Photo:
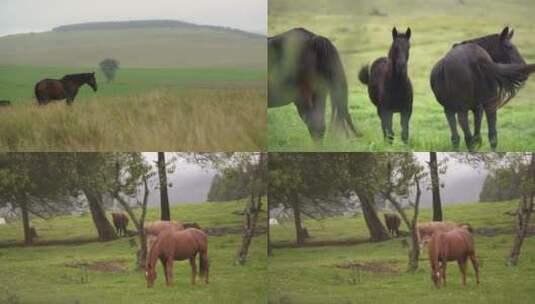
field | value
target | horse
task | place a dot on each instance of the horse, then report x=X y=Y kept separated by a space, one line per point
x=304 y=68
x=120 y=221
x=426 y=230
x=454 y=245
x=389 y=86
x=392 y=222
x=64 y=88
x=5 y=103
x=478 y=75
x=153 y=229
x=178 y=245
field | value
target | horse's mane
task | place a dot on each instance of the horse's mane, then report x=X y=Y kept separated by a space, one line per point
x=487 y=42
x=79 y=76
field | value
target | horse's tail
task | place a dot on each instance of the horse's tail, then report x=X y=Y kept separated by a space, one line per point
x=364 y=74
x=203 y=263
x=509 y=78
x=331 y=68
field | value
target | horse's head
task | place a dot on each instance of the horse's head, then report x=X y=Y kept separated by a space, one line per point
x=399 y=51
x=150 y=276
x=435 y=276
x=92 y=81
x=506 y=51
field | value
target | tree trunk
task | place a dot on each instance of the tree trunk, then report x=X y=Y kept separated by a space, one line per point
x=376 y=228
x=249 y=227
x=435 y=186
x=164 y=197
x=524 y=211
x=299 y=239
x=28 y=239
x=104 y=228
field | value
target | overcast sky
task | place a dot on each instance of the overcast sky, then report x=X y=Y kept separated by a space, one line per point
x=22 y=16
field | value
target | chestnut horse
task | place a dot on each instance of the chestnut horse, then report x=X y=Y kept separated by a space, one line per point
x=454 y=245
x=120 y=221
x=178 y=245
x=426 y=230
x=64 y=88
x=153 y=229
x=392 y=222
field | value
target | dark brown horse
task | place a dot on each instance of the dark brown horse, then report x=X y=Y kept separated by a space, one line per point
x=478 y=75
x=120 y=221
x=389 y=86
x=304 y=68
x=178 y=245
x=454 y=245
x=64 y=88
x=392 y=222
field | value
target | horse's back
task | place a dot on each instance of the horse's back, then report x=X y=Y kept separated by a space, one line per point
x=455 y=243
x=49 y=89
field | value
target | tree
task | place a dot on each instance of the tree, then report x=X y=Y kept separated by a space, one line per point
x=109 y=68
x=164 y=196
x=502 y=184
x=524 y=210
x=435 y=186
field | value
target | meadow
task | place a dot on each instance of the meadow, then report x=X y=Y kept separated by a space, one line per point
x=157 y=109
x=361 y=30
x=180 y=87
x=321 y=275
x=50 y=274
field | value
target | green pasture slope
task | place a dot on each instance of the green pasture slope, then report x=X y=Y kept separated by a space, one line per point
x=361 y=32
x=309 y=275
x=176 y=88
x=42 y=274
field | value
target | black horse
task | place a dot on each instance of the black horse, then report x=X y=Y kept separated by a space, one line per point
x=389 y=86
x=478 y=75
x=64 y=88
x=303 y=68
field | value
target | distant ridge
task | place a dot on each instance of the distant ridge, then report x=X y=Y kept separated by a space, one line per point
x=136 y=24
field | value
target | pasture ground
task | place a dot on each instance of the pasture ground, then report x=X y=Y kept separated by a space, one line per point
x=49 y=274
x=322 y=275
x=144 y=109
x=361 y=30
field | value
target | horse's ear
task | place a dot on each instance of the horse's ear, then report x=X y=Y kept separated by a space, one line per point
x=511 y=33
x=394 y=33
x=504 y=34
x=408 y=33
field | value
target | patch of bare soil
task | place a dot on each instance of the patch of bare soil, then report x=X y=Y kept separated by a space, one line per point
x=377 y=267
x=111 y=266
x=219 y=231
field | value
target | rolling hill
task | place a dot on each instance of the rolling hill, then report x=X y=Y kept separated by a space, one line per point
x=147 y=43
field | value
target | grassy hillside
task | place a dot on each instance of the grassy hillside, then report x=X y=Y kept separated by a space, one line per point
x=47 y=275
x=361 y=30
x=315 y=274
x=137 y=46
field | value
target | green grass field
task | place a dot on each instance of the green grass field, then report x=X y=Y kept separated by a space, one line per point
x=144 y=109
x=310 y=275
x=361 y=36
x=43 y=275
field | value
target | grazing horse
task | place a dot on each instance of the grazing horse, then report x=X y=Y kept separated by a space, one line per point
x=178 y=245
x=120 y=221
x=426 y=230
x=478 y=75
x=454 y=245
x=303 y=68
x=64 y=88
x=392 y=222
x=153 y=229
x=389 y=86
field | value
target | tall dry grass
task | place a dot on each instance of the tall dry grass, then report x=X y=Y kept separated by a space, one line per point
x=199 y=120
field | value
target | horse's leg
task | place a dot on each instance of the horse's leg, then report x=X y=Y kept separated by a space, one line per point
x=493 y=134
x=193 y=269
x=386 y=122
x=475 y=264
x=164 y=263
x=452 y=122
x=383 y=124
x=443 y=266
x=478 y=114
x=465 y=126
x=169 y=271
x=462 y=267
x=405 y=117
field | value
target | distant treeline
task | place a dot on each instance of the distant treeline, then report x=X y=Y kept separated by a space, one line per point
x=227 y=188
x=502 y=184
x=117 y=25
